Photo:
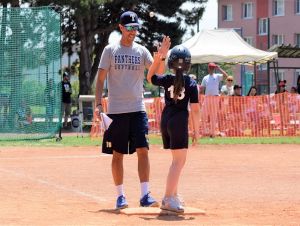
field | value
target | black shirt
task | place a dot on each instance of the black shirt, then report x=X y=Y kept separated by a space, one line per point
x=66 y=92
x=189 y=94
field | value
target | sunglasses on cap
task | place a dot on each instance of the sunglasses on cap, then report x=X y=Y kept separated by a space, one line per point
x=131 y=28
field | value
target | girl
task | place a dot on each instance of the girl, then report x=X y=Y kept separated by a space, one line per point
x=252 y=91
x=180 y=90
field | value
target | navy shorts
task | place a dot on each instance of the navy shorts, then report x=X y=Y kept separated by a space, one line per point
x=174 y=128
x=127 y=132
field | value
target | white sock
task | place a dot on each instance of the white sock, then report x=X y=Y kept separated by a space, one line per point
x=120 y=190
x=144 y=189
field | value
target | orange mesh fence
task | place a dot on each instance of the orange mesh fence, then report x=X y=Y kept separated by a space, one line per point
x=230 y=116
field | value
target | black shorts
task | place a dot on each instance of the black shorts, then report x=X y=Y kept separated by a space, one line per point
x=127 y=132
x=174 y=128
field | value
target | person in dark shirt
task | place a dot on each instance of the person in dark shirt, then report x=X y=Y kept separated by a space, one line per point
x=298 y=84
x=281 y=87
x=237 y=90
x=66 y=97
x=180 y=91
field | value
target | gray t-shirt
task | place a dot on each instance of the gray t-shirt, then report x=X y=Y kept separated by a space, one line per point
x=125 y=78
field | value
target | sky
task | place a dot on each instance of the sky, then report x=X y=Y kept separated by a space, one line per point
x=210 y=17
x=208 y=21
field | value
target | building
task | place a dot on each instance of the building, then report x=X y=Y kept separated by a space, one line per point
x=264 y=23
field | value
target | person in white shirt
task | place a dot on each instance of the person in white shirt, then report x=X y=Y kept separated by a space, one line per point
x=210 y=85
x=212 y=81
x=227 y=89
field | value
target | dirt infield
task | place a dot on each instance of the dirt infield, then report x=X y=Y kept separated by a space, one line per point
x=234 y=184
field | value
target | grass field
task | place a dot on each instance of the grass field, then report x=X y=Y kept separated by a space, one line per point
x=154 y=139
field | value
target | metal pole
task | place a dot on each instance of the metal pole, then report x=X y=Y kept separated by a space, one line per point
x=254 y=77
x=268 y=64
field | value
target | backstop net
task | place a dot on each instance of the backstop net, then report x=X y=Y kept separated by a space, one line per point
x=30 y=62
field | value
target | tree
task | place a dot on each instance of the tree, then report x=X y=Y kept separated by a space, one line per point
x=90 y=22
x=27 y=36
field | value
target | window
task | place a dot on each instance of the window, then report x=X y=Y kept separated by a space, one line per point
x=297 y=74
x=263 y=26
x=262 y=67
x=273 y=82
x=278 y=7
x=247 y=10
x=297 y=41
x=281 y=75
x=227 y=12
x=297 y=6
x=278 y=39
x=249 y=40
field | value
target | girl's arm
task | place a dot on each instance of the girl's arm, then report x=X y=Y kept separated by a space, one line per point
x=154 y=68
x=158 y=65
x=195 y=111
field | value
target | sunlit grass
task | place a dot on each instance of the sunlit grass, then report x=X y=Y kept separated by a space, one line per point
x=154 y=139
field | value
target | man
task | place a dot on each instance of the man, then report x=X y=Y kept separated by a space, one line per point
x=66 y=98
x=237 y=90
x=211 y=83
x=236 y=106
x=123 y=64
x=281 y=88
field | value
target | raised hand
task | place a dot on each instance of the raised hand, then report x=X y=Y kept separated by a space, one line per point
x=164 y=46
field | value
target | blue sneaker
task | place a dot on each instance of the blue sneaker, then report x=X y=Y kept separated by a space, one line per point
x=148 y=201
x=121 y=202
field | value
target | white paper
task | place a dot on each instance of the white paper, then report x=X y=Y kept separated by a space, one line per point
x=106 y=121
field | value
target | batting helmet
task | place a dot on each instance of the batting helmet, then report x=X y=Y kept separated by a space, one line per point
x=180 y=58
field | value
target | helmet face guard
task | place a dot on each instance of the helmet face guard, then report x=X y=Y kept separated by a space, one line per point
x=180 y=58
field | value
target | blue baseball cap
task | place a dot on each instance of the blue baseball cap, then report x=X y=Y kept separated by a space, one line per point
x=129 y=18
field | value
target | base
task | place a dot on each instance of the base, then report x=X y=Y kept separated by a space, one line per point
x=158 y=211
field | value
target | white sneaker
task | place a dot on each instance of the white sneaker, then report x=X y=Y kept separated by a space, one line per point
x=172 y=204
x=180 y=199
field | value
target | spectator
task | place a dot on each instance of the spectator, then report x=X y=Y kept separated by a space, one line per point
x=210 y=86
x=293 y=89
x=252 y=91
x=237 y=90
x=66 y=98
x=281 y=87
x=23 y=115
x=227 y=89
x=293 y=102
x=298 y=84
x=235 y=117
x=212 y=81
x=251 y=111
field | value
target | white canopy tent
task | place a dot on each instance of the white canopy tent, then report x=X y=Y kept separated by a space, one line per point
x=226 y=46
